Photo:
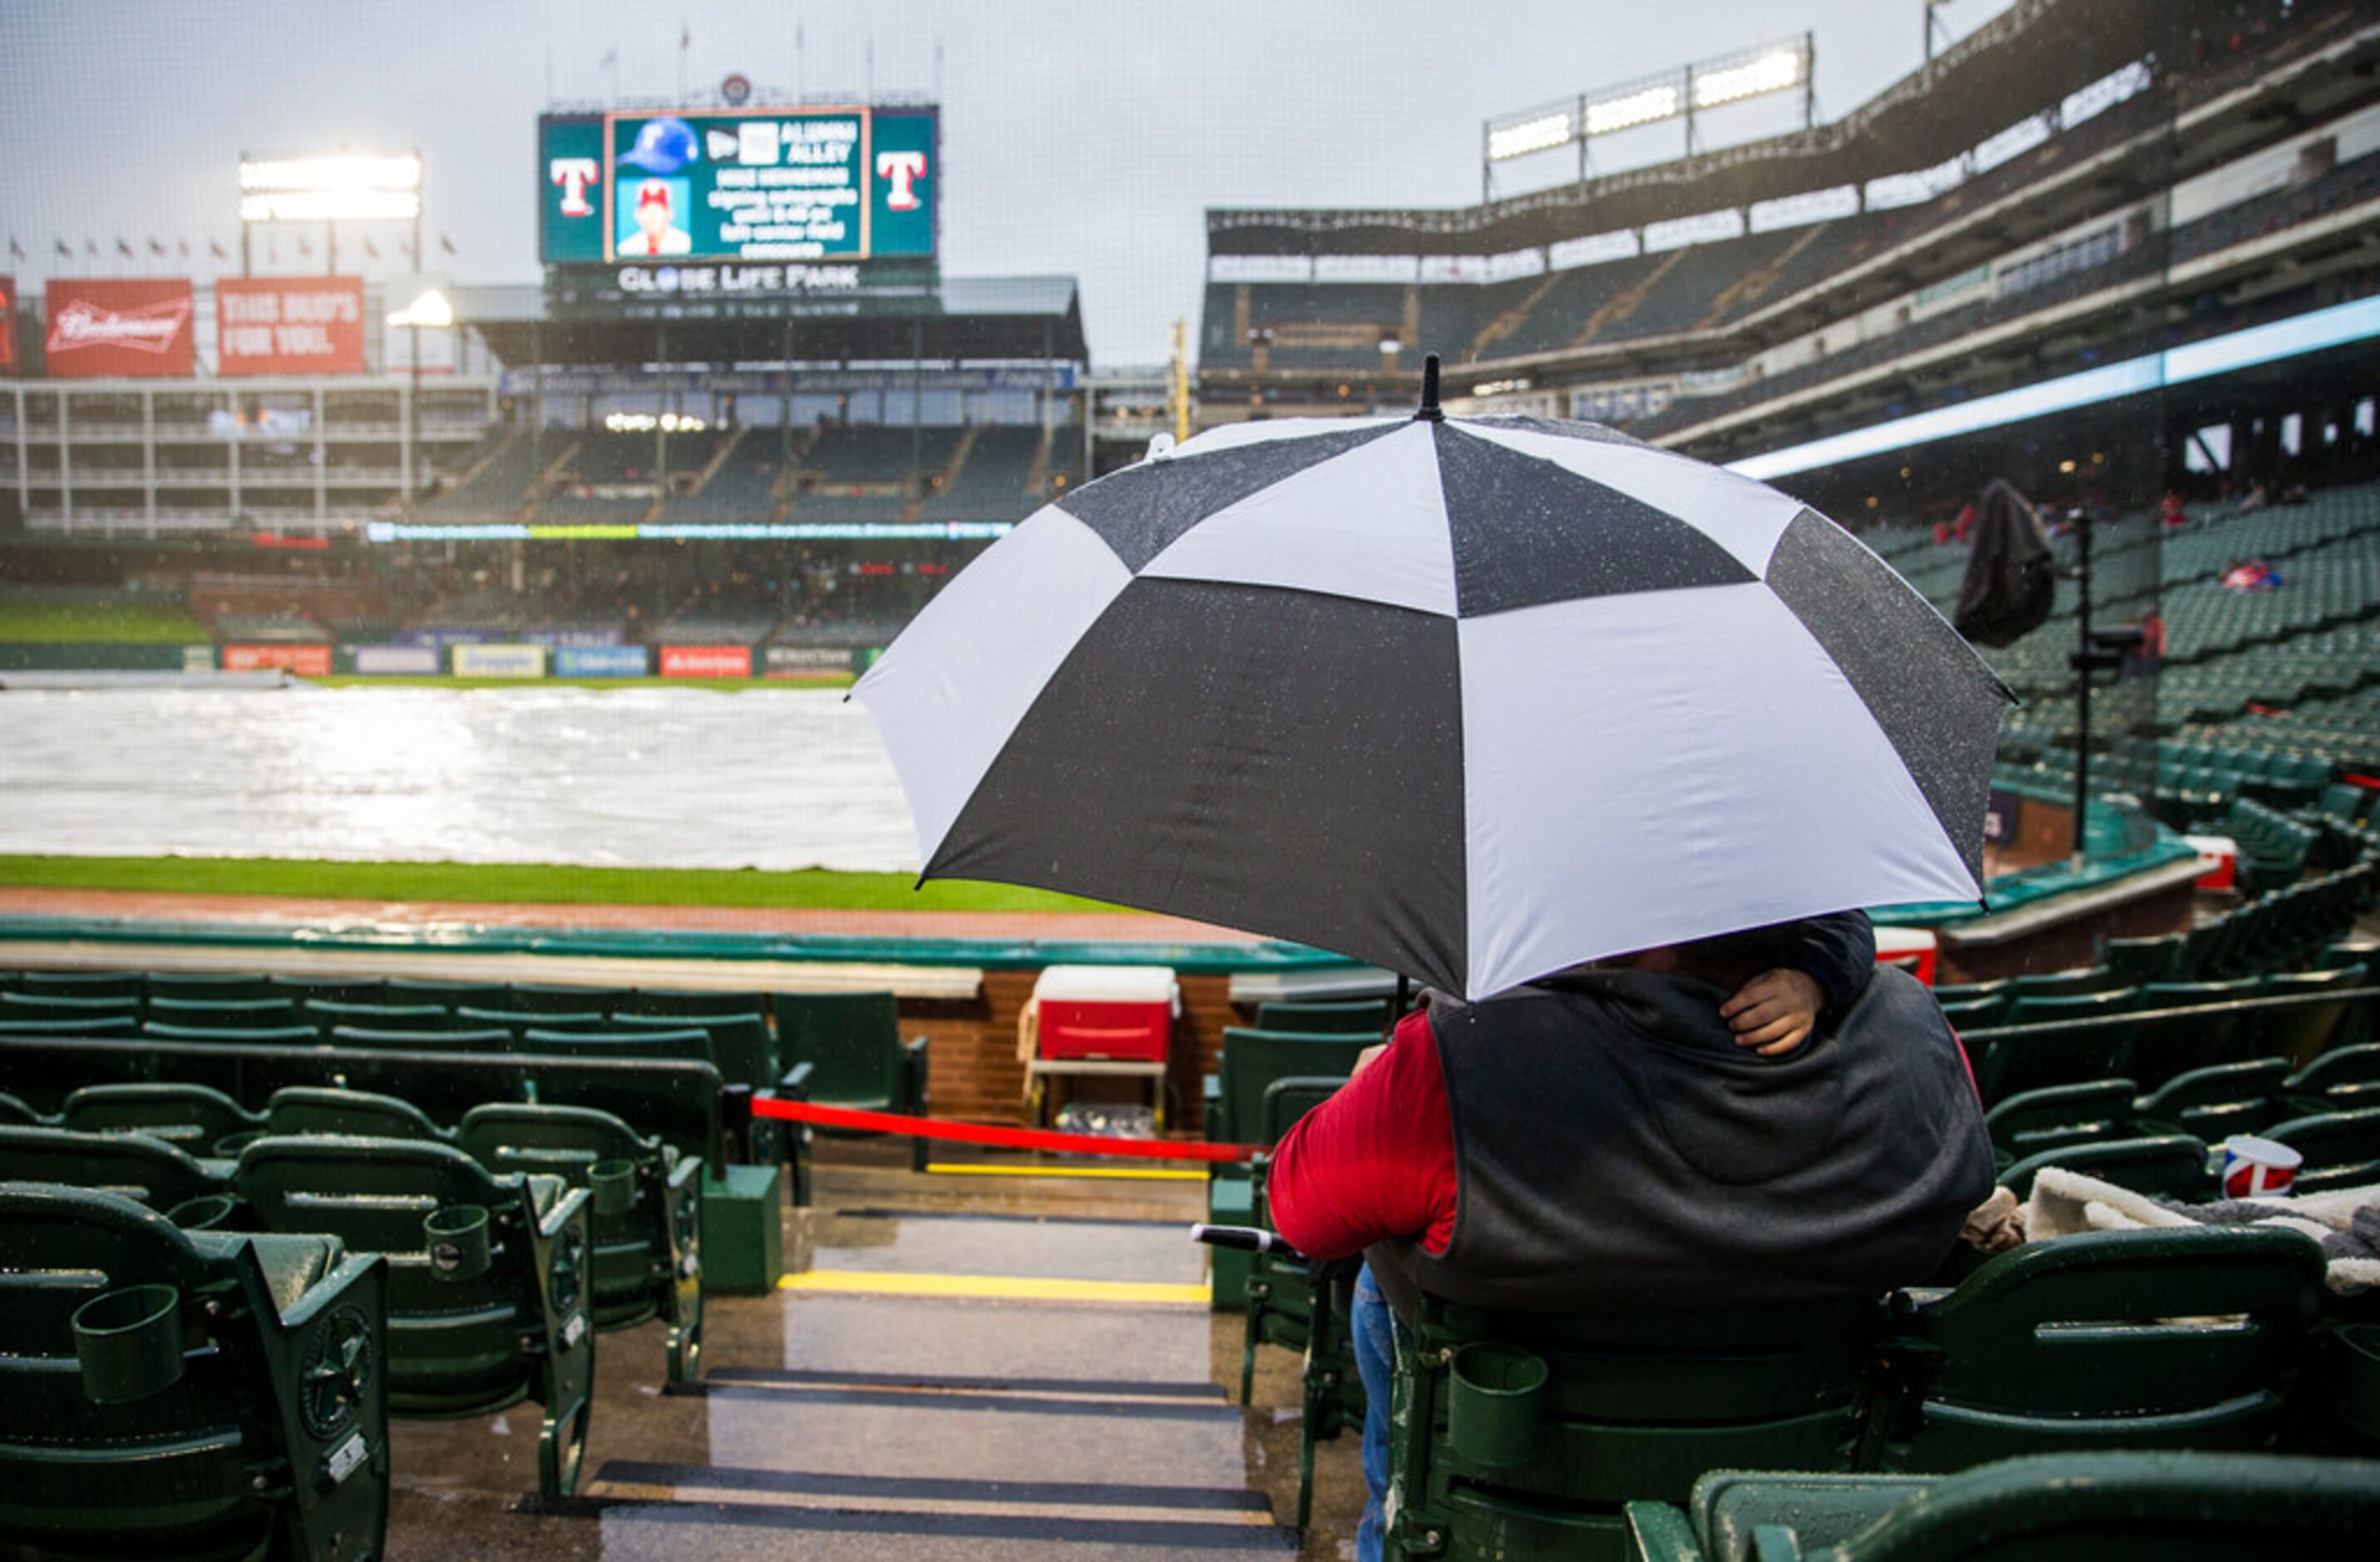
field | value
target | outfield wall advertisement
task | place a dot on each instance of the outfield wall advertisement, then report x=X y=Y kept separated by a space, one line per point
x=706 y=661
x=289 y=325
x=306 y=661
x=414 y=661
x=738 y=184
x=599 y=662
x=499 y=661
x=100 y=328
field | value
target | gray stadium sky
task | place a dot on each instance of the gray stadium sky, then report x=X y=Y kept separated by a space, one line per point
x=1085 y=137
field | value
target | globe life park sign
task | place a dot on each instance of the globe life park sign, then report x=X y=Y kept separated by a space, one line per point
x=697 y=281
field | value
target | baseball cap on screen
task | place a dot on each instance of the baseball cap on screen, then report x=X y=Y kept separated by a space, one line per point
x=663 y=146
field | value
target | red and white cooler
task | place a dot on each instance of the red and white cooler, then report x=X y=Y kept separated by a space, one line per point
x=1115 y=1014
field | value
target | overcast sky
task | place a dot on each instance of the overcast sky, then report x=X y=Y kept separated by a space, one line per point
x=1083 y=137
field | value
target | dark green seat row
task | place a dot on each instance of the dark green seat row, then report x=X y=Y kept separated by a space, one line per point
x=1526 y=1436
x=2210 y=1103
x=2178 y=1507
x=173 y=1393
x=2100 y=1036
x=850 y=1043
x=647 y=1211
x=494 y=1308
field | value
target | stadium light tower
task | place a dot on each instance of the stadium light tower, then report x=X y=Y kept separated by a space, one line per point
x=429 y=311
x=347 y=187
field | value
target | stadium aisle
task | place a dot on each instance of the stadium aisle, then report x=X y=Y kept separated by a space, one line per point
x=958 y=1366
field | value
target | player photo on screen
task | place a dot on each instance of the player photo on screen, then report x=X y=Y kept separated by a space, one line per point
x=650 y=216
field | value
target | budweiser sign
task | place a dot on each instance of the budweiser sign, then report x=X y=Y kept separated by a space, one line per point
x=84 y=324
x=128 y=326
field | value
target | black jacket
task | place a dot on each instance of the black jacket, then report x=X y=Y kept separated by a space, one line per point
x=1615 y=1152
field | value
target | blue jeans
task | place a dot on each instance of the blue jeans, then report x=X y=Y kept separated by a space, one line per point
x=1376 y=1354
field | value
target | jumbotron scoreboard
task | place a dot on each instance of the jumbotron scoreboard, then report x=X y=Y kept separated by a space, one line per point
x=736 y=184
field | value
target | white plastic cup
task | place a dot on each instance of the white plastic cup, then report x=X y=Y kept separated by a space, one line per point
x=2258 y=1168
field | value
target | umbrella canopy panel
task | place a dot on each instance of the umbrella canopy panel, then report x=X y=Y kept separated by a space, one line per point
x=1473 y=699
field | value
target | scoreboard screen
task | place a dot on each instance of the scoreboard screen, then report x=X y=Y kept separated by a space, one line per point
x=792 y=184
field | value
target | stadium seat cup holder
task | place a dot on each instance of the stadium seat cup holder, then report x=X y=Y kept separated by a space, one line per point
x=228 y=1147
x=208 y=1211
x=1495 y=1399
x=130 y=1343
x=611 y=1187
x=457 y=1242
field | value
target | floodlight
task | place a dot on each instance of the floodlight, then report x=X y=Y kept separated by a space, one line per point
x=1770 y=73
x=1530 y=135
x=348 y=188
x=1636 y=108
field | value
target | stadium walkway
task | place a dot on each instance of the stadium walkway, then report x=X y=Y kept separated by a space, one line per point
x=960 y=1366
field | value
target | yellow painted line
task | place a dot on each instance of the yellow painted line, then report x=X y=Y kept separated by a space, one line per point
x=1121 y=1174
x=1002 y=1288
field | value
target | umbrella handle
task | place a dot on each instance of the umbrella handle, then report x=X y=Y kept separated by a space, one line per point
x=1247 y=1239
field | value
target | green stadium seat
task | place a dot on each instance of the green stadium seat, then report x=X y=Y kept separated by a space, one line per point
x=2301 y=1034
x=532 y=998
x=645 y=1212
x=497 y=1310
x=2058 y=1116
x=2087 y=1343
x=148 y=1171
x=688 y=1043
x=190 y=1118
x=2339 y=1081
x=745 y=1055
x=518 y=1020
x=355 y=1114
x=451 y=995
x=852 y=1043
x=206 y=987
x=252 y=1013
x=2175 y=1507
x=68 y=1006
x=2062 y=983
x=492 y=1039
x=235 y=1035
x=2136 y=960
x=2212 y=1103
x=1279 y=1301
x=330 y=1012
x=2172 y=1165
x=2163 y=1044
x=1354 y=1016
x=330 y=989
x=670 y=1001
x=1523 y=1436
x=2341 y=1149
x=2007 y=1062
x=77 y=983
x=150 y=1378
x=119 y=1026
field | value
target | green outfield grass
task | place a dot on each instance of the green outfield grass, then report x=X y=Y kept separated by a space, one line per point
x=45 y=623
x=312 y=879
x=444 y=680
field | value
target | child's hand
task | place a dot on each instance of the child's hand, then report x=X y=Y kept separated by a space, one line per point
x=1773 y=1012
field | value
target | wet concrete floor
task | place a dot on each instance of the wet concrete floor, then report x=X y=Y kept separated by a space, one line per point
x=953 y=1395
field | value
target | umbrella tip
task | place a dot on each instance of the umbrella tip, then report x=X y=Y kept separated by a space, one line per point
x=1429 y=413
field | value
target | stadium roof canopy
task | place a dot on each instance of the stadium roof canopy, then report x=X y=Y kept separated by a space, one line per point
x=975 y=317
x=2030 y=56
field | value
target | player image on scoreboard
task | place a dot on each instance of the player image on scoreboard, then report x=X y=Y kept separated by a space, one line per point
x=651 y=214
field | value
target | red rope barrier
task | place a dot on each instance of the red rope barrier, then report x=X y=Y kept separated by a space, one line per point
x=1006 y=1139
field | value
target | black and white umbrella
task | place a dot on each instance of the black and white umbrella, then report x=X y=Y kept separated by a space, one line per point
x=1472 y=699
